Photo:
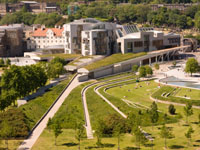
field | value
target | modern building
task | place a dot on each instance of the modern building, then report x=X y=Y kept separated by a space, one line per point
x=11 y=40
x=130 y=38
x=92 y=37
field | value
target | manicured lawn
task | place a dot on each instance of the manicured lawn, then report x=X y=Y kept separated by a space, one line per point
x=115 y=58
x=65 y=56
x=12 y=144
x=192 y=93
x=35 y=108
x=73 y=63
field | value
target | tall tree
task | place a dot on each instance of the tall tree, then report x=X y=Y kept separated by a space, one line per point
x=188 y=111
x=191 y=66
x=118 y=132
x=188 y=135
x=135 y=68
x=99 y=132
x=142 y=71
x=149 y=70
x=79 y=134
x=57 y=131
x=166 y=134
x=154 y=116
x=139 y=135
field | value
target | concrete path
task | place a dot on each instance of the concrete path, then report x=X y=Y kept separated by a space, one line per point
x=28 y=143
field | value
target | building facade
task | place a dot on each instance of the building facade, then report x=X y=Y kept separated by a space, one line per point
x=93 y=37
x=134 y=39
x=11 y=40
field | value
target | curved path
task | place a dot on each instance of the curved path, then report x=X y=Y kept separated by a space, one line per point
x=88 y=126
x=30 y=141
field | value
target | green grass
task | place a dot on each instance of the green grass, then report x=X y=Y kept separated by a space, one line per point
x=61 y=55
x=71 y=111
x=193 y=94
x=172 y=98
x=115 y=58
x=73 y=63
x=35 y=108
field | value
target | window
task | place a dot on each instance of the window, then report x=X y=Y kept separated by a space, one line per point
x=130 y=46
x=138 y=44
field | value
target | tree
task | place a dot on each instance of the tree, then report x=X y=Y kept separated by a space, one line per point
x=142 y=71
x=139 y=135
x=79 y=134
x=174 y=63
x=188 y=111
x=49 y=124
x=99 y=132
x=149 y=70
x=188 y=134
x=6 y=132
x=54 y=69
x=135 y=68
x=117 y=132
x=8 y=62
x=172 y=109
x=166 y=134
x=191 y=66
x=156 y=66
x=1 y=62
x=57 y=130
x=154 y=116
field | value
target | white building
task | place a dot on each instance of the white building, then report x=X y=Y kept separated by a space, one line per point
x=46 y=37
x=134 y=39
x=92 y=37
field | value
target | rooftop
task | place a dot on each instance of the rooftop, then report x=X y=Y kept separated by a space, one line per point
x=42 y=32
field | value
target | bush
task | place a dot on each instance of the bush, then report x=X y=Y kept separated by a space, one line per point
x=172 y=109
x=157 y=66
x=135 y=68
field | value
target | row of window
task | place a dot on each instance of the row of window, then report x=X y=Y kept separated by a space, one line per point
x=145 y=43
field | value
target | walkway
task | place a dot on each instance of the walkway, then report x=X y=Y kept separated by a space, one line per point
x=28 y=143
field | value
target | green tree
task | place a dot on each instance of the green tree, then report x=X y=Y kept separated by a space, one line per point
x=79 y=134
x=118 y=130
x=8 y=62
x=172 y=109
x=188 y=111
x=166 y=134
x=57 y=130
x=142 y=71
x=6 y=132
x=54 y=70
x=99 y=132
x=153 y=112
x=188 y=135
x=135 y=68
x=156 y=66
x=2 y=62
x=191 y=66
x=49 y=124
x=139 y=135
x=149 y=70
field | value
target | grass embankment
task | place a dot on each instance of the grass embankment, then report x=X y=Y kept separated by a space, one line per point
x=172 y=92
x=36 y=108
x=115 y=58
x=71 y=112
x=61 y=55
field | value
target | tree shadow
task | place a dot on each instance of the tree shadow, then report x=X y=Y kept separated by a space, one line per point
x=195 y=122
x=102 y=146
x=195 y=145
x=70 y=144
x=132 y=148
x=186 y=125
x=197 y=141
x=176 y=147
x=149 y=145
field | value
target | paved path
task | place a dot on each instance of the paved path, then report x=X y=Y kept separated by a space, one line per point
x=28 y=143
x=168 y=102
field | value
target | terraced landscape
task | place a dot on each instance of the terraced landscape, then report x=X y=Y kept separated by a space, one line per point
x=121 y=97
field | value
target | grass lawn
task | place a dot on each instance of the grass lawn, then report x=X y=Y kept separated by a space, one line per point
x=12 y=144
x=73 y=63
x=61 y=55
x=115 y=58
x=192 y=93
x=35 y=108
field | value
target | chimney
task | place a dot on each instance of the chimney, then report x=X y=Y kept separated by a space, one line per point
x=43 y=27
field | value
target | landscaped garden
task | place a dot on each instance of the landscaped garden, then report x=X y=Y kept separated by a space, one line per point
x=115 y=58
x=133 y=99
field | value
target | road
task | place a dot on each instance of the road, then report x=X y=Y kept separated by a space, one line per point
x=28 y=143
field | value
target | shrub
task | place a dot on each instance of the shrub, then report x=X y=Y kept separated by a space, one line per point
x=172 y=109
x=157 y=66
